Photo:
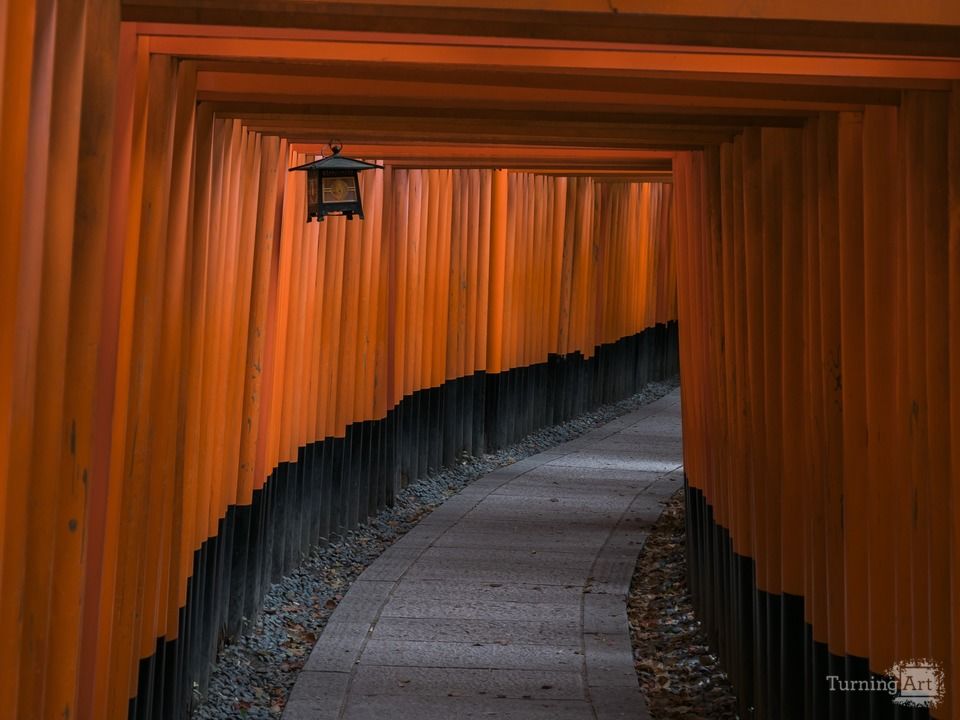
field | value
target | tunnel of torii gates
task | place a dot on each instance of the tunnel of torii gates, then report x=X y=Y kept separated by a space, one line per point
x=196 y=385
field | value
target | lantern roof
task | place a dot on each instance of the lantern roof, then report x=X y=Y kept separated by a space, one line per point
x=338 y=162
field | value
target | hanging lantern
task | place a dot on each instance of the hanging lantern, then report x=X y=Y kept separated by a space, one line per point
x=332 y=185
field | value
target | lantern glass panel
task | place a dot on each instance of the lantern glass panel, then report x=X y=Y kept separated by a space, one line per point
x=339 y=189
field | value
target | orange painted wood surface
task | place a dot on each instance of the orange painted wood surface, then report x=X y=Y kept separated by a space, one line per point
x=237 y=334
x=171 y=331
x=826 y=454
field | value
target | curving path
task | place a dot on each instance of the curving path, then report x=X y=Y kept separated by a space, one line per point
x=509 y=600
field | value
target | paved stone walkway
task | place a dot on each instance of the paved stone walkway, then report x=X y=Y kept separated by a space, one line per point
x=509 y=600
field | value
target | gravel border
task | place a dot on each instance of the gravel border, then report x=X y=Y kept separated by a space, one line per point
x=255 y=673
x=678 y=672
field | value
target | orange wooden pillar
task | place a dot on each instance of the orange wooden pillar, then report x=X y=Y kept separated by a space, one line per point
x=854 y=527
x=936 y=368
x=953 y=319
x=498 y=249
x=816 y=598
x=881 y=247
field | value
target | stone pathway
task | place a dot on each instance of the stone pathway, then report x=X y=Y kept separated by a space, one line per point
x=509 y=600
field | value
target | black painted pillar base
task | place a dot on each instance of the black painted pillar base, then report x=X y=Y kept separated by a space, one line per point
x=764 y=642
